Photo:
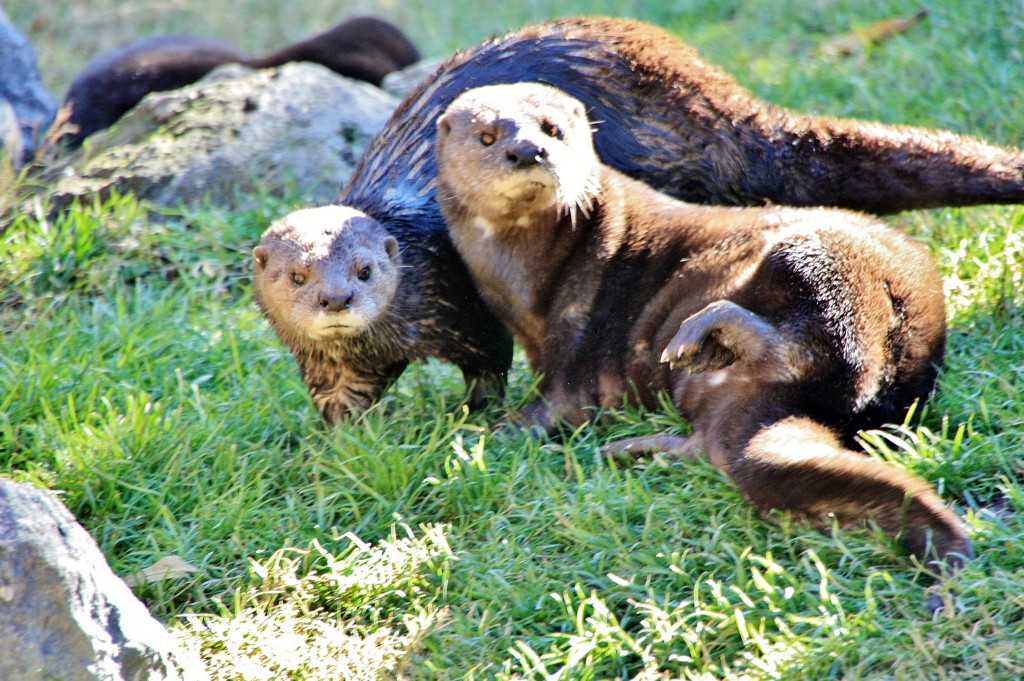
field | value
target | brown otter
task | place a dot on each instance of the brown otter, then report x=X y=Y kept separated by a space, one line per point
x=117 y=79
x=778 y=332
x=327 y=280
x=670 y=119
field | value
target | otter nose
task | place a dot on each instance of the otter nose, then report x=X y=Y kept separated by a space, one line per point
x=525 y=153
x=336 y=302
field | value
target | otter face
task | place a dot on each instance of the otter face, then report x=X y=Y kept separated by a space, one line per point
x=325 y=272
x=508 y=150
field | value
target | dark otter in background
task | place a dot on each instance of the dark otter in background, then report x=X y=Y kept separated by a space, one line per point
x=682 y=126
x=778 y=332
x=665 y=117
x=116 y=80
x=350 y=304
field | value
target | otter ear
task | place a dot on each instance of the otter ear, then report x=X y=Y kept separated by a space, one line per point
x=444 y=126
x=391 y=246
x=260 y=255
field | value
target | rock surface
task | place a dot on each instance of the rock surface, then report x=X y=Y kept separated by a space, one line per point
x=63 y=613
x=23 y=91
x=400 y=83
x=227 y=136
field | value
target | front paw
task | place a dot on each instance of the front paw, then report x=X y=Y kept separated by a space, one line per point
x=717 y=336
x=646 y=445
x=484 y=390
x=536 y=419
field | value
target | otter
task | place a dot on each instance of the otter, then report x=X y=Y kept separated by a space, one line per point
x=365 y=48
x=327 y=280
x=777 y=332
x=675 y=122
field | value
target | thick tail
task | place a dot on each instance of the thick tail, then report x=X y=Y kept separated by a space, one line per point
x=883 y=169
x=800 y=466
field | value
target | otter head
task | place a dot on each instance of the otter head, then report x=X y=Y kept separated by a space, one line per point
x=508 y=151
x=325 y=272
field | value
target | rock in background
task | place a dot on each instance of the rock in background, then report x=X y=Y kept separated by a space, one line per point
x=26 y=108
x=401 y=83
x=227 y=136
x=63 y=613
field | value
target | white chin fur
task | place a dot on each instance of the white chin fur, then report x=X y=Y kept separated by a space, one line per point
x=332 y=327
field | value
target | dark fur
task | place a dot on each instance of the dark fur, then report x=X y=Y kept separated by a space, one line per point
x=346 y=372
x=668 y=118
x=682 y=126
x=116 y=80
x=787 y=330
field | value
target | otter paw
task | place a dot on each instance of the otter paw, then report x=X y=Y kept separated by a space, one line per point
x=636 y=447
x=720 y=334
x=535 y=419
x=483 y=389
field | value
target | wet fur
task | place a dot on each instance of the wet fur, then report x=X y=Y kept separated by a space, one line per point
x=353 y=337
x=778 y=332
x=665 y=116
x=117 y=79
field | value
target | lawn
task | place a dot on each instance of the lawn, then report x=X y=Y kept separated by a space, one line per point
x=138 y=380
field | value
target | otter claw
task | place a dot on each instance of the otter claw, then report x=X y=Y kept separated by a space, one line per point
x=720 y=334
x=697 y=354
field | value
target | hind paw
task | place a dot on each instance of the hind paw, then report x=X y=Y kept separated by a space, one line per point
x=720 y=334
x=645 y=445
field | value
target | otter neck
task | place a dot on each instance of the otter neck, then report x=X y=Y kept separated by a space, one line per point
x=514 y=258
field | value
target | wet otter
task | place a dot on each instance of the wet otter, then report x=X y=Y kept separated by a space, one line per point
x=778 y=332
x=668 y=118
x=327 y=280
x=687 y=129
x=117 y=79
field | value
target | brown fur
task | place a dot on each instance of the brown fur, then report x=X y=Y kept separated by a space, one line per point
x=778 y=332
x=665 y=117
x=329 y=282
x=681 y=125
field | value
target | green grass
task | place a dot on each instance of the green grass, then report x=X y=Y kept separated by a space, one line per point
x=137 y=379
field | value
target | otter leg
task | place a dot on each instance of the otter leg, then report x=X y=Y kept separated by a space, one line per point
x=800 y=466
x=676 y=446
x=339 y=391
x=483 y=388
x=720 y=334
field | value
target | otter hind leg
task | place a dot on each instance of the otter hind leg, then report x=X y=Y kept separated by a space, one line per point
x=660 y=443
x=718 y=335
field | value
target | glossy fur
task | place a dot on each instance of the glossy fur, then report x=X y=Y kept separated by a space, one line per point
x=666 y=117
x=778 y=332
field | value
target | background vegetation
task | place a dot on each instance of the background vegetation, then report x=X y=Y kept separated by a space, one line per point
x=137 y=379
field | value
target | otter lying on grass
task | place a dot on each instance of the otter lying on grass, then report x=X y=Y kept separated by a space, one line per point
x=778 y=332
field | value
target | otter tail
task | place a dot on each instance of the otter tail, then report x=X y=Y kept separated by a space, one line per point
x=800 y=466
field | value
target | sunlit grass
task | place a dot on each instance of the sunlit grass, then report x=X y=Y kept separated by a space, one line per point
x=138 y=380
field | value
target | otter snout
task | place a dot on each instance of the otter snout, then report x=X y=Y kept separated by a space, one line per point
x=524 y=153
x=336 y=302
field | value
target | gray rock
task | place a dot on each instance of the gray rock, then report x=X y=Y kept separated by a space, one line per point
x=22 y=88
x=227 y=136
x=63 y=613
x=400 y=83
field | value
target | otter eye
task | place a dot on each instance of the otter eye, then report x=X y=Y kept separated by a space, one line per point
x=551 y=130
x=486 y=139
x=298 y=278
x=364 y=273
